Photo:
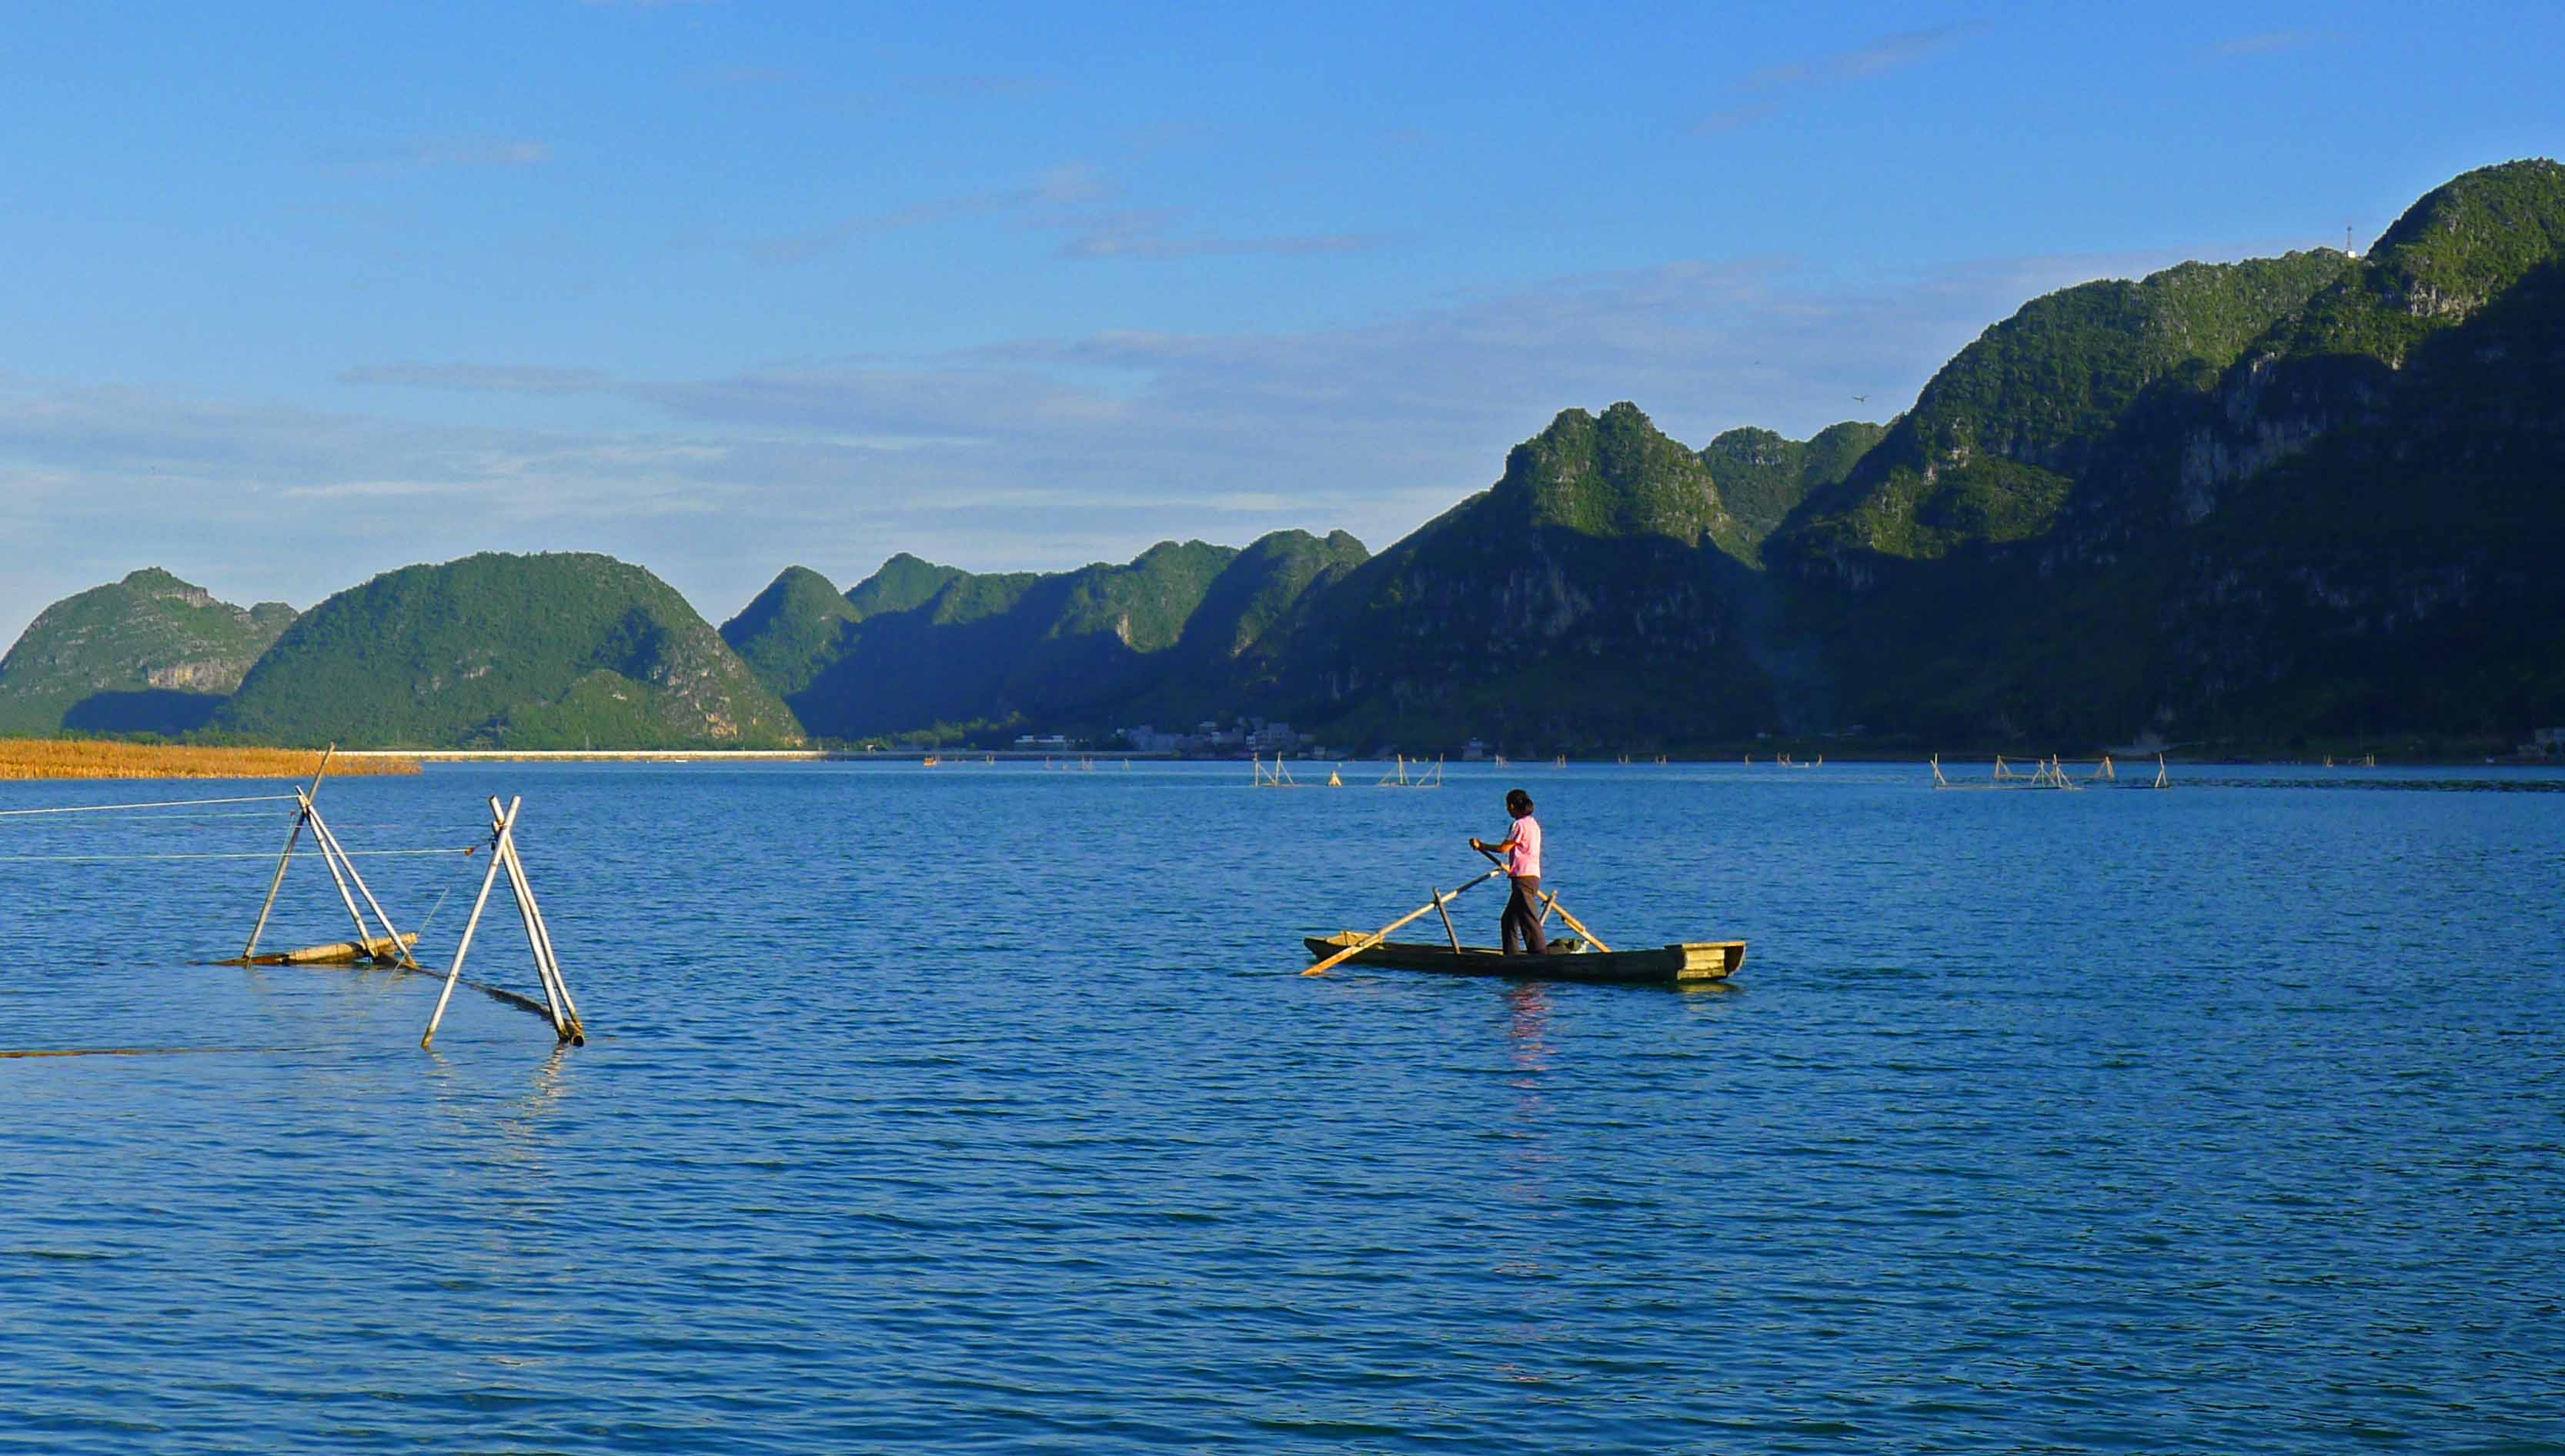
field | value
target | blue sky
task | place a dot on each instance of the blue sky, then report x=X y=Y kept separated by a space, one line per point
x=298 y=294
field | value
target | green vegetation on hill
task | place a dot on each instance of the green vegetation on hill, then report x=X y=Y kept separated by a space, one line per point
x=2465 y=242
x=1993 y=448
x=933 y=645
x=1762 y=477
x=1587 y=599
x=2343 y=524
x=904 y=584
x=792 y=630
x=559 y=650
x=150 y=653
x=1615 y=476
x=2311 y=495
x=1178 y=630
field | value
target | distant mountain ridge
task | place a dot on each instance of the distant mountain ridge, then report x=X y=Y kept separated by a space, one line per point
x=2311 y=495
x=148 y=653
x=2315 y=495
x=557 y=650
x=917 y=645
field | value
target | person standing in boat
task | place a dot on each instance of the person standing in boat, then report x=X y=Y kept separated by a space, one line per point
x=1521 y=848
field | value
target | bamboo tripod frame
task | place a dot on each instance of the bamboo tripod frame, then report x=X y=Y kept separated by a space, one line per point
x=538 y=936
x=342 y=874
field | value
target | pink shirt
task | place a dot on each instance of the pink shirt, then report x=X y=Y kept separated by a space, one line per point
x=1523 y=861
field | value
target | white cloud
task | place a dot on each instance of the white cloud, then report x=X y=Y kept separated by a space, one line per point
x=1080 y=204
x=1026 y=453
x=1768 y=91
x=2267 y=43
x=452 y=151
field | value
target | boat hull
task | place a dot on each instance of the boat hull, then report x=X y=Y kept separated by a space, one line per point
x=1690 y=964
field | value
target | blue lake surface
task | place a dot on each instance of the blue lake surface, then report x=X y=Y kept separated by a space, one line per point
x=981 y=1107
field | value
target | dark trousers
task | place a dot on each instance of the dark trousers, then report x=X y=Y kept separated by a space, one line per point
x=1521 y=925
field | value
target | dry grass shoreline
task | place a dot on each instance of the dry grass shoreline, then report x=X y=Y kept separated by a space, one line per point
x=54 y=758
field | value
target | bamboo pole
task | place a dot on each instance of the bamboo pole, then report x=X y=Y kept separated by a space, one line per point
x=322 y=831
x=539 y=935
x=552 y=955
x=525 y=913
x=522 y=894
x=1453 y=934
x=331 y=862
x=546 y=959
x=1366 y=943
x=302 y=800
x=282 y=861
x=1575 y=924
x=463 y=947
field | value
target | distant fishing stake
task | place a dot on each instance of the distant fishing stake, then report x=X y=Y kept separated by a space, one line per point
x=538 y=936
x=388 y=948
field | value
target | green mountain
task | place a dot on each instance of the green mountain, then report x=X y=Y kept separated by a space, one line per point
x=1999 y=437
x=2309 y=496
x=792 y=630
x=1229 y=656
x=150 y=653
x=2312 y=495
x=916 y=645
x=904 y=584
x=558 y=651
x=1762 y=477
x=1598 y=594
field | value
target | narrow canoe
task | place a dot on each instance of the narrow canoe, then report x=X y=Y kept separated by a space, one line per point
x=1672 y=965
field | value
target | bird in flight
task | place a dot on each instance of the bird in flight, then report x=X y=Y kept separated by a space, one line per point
x=1861 y=400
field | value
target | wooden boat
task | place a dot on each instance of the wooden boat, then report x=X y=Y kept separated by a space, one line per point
x=1689 y=964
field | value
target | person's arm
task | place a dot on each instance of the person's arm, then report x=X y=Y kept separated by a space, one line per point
x=1505 y=848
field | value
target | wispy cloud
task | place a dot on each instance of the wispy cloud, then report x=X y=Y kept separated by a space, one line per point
x=1026 y=452
x=482 y=151
x=749 y=76
x=1734 y=118
x=1766 y=92
x=1080 y=204
x=517 y=379
x=2267 y=43
x=980 y=88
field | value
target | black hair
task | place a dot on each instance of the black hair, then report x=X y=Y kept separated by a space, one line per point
x=1517 y=801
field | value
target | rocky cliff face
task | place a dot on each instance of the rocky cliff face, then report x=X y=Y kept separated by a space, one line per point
x=2264 y=515
x=148 y=653
x=1587 y=598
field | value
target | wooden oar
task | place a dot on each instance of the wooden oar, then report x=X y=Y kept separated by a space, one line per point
x=1366 y=943
x=1550 y=903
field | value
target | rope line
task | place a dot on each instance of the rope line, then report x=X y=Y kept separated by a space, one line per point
x=161 y=803
x=243 y=854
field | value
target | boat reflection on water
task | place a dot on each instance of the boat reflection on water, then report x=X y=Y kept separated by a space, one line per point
x=1527 y=1030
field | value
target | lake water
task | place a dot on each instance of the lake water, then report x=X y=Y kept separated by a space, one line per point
x=980 y=1108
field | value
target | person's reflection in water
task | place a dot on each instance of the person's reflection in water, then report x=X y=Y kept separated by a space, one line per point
x=1527 y=1157
x=1527 y=1030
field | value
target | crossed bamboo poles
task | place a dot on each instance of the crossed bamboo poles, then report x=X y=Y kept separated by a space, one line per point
x=343 y=872
x=1442 y=902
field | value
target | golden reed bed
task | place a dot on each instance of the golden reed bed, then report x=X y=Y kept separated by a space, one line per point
x=48 y=758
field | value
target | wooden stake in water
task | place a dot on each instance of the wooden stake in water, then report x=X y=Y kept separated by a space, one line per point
x=304 y=797
x=538 y=936
x=463 y=947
